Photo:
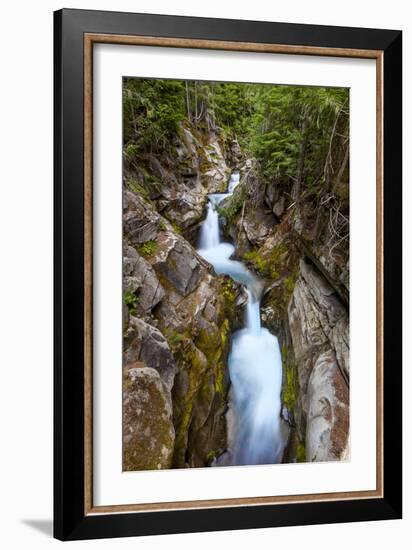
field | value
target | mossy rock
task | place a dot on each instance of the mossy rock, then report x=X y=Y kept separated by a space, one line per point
x=148 y=432
x=290 y=385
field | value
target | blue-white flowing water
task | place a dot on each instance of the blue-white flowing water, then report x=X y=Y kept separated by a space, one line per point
x=255 y=363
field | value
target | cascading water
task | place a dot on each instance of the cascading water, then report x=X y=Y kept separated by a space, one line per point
x=233 y=182
x=255 y=363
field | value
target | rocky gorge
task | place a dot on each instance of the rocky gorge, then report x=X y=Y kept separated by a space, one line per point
x=180 y=314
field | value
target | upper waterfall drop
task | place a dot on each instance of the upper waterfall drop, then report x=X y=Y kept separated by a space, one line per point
x=209 y=235
x=255 y=363
x=233 y=182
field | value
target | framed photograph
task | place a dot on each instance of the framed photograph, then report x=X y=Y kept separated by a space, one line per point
x=227 y=274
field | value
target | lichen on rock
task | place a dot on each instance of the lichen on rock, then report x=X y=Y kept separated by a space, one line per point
x=180 y=313
x=148 y=432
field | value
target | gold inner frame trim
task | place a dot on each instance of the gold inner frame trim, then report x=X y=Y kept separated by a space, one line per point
x=89 y=40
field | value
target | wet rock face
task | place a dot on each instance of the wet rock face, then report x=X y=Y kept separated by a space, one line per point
x=317 y=318
x=319 y=327
x=176 y=340
x=148 y=431
x=328 y=411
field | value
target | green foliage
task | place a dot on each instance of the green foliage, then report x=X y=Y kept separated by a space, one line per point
x=233 y=108
x=131 y=150
x=293 y=124
x=131 y=300
x=298 y=134
x=293 y=120
x=233 y=205
x=152 y=111
x=148 y=248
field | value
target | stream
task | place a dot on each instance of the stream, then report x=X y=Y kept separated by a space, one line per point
x=255 y=363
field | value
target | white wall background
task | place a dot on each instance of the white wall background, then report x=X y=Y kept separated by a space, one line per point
x=26 y=144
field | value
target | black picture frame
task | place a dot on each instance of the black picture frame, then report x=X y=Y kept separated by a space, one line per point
x=70 y=520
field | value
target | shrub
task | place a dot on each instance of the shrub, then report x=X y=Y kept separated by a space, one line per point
x=148 y=248
x=131 y=299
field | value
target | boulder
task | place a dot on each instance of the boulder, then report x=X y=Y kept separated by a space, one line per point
x=148 y=432
x=177 y=262
x=328 y=411
x=140 y=278
x=186 y=210
x=319 y=329
x=257 y=224
x=314 y=311
x=145 y=343
x=140 y=223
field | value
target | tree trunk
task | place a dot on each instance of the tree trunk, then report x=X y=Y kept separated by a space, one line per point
x=301 y=162
x=188 y=101
x=196 y=106
x=341 y=169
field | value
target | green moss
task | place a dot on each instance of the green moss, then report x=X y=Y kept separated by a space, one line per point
x=228 y=294
x=137 y=188
x=258 y=262
x=193 y=362
x=200 y=353
x=181 y=433
x=141 y=451
x=300 y=452
x=131 y=299
x=290 y=388
x=233 y=205
x=268 y=263
x=210 y=457
x=224 y=332
x=176 y=228
x=289 y=283
x=174 y=338
x=148 y=248
x=208 y=340
x=219 y=382
x=162 y=225
x=276 y=261
x=221 y=365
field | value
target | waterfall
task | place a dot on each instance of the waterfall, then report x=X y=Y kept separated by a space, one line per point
x=209 y=235
x=255 y=363
x=233 y=182
x=252 y=314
